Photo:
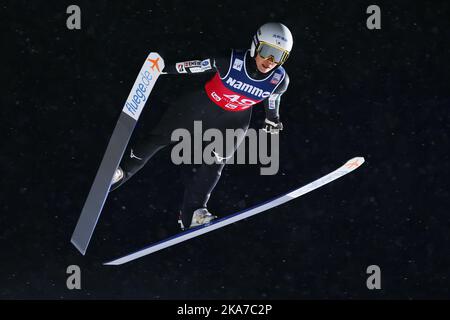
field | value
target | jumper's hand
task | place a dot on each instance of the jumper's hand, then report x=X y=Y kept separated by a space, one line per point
x=272 y=127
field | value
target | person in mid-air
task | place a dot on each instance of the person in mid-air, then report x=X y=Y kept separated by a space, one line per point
x=241 y=79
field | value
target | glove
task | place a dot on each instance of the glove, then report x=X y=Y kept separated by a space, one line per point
x=272 y=127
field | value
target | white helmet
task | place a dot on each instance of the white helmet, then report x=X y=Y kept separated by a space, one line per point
x=273 y=41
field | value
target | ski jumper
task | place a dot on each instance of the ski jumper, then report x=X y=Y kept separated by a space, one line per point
x=225 y=102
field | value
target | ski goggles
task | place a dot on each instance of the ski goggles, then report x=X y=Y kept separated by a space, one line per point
x=273 y=53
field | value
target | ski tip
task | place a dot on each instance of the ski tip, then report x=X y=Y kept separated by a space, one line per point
x=359 y=159
x=354 y=163
x=112 y=263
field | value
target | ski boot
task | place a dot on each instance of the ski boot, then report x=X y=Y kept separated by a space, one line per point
x=200 y=217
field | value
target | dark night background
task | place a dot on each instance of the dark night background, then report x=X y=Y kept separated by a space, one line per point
x=380 y=94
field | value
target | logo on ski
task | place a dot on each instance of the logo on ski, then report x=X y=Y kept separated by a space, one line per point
x=98 y=193
x=212 y=143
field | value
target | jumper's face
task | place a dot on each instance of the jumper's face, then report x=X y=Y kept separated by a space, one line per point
x=264 y=65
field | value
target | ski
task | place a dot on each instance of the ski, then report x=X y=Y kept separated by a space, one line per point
x=348 y=167
x=129 y=116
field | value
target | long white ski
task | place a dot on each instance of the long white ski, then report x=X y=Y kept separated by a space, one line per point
x=129 y=116
x=348 y=167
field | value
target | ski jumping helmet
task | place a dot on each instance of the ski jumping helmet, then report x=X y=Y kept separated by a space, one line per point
x=273 y=41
